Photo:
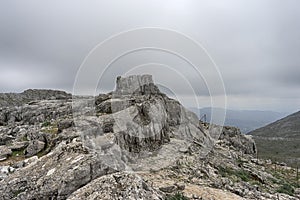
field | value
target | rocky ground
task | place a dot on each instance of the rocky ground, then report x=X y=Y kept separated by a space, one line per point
x=133 y=143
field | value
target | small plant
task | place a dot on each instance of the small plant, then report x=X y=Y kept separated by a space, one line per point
x=241 y=174
x=244 y=175
x=224 y=171
x=177 y=196
x=17 y=153
x=46 y=123
x=287 y=189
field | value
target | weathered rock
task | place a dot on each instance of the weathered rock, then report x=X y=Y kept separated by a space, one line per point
x=34 y=148
x=180 y=186
x=56 y=175
x=242 y=142
x=4 y=152
x=18 y=99
x=5 y=171
x=64 y=124
x=141 y=118
x=17 y=146
x=168 y=189
x=26 y=162
x=117 y=186
x=136 y=85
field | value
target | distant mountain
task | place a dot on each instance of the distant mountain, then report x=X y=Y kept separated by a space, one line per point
x=246 y=120
x=280 y=140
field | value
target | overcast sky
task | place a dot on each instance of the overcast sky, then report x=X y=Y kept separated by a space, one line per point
x=255 y=44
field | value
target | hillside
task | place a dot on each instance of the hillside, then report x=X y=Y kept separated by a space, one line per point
x=280 y=140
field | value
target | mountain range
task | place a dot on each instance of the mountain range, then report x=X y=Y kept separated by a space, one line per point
x=245 y=120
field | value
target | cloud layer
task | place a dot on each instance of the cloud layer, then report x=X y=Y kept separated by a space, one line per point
x=255 y=44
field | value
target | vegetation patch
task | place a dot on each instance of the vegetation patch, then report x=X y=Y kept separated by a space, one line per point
x=240 y=173
x=50 y=128
x=16 y=153
x=287 y=189
x=46 y=124
x=177 y=196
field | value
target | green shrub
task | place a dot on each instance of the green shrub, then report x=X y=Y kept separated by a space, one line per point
x=287 y=189
x=177 y=196
x=46 y=123
x=17 y=153
x=244 y=175
x=241 y=174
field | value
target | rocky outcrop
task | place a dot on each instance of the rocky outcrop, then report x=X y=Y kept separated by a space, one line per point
x=56 y=175
x=136 y=85
x=241 y=142
x=138 y=119
x=18 y=99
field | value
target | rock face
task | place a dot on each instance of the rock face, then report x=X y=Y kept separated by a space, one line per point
x=137 y=118
x=136 y=85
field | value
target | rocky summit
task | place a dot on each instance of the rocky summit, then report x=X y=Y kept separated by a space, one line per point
x=132 y=143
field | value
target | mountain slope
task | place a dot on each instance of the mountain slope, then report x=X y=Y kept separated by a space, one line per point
x=280 y=140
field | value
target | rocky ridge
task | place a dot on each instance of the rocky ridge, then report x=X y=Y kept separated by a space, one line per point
x=137 y=144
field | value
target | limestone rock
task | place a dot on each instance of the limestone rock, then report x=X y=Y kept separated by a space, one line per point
x=168 y=189
x=34 y=147
x=136 y=84
x=4 y=152
x=55 y=175
x=64 y=124
x=234 y=137
x=18 y=99
x=117 y=186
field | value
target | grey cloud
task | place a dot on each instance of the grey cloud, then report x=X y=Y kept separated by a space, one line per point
x=255 y=44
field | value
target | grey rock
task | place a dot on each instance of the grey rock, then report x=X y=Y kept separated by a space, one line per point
x=64 y=124
x=56 y=175
x=180 y=186
x=18 y=99
x=168 y=189
x=241 y=142
x=5 y=171
x=4 y=152
x=117 y=186
x=34 y=148
x=136 y=84
x=17 y=146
